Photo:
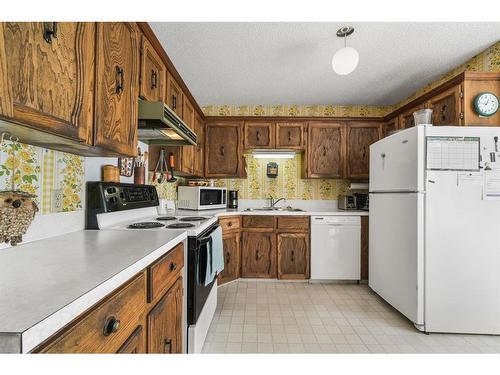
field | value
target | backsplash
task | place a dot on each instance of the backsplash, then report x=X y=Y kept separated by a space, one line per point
x=39 y=171
x=287 y=185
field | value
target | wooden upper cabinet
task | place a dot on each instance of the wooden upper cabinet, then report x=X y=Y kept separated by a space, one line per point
x=406 y=119
x=360 y=135
x=47 y=76
x=259 y=135
x=165 y=323
x=258 y=254
x=117 y=87
x=391 y=125
x=153 y=73
x=232 y=256
x=174 y=95
x=223 y=150
x=199 y=129
x=447 y=107
x=293 y=255
x=187 y=154
x=289 y=135
x=325 y=150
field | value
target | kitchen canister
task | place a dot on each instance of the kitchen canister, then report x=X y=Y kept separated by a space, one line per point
x=110 y=173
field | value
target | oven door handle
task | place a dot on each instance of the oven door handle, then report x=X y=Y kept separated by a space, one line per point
x=208 y=237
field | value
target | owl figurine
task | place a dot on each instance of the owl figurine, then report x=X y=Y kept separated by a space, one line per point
x=17 y=211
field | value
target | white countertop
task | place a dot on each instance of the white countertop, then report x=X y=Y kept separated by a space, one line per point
x=238 y=211
x=45 y=284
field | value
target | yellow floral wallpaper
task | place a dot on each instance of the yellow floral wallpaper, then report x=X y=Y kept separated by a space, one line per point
x=39 y=171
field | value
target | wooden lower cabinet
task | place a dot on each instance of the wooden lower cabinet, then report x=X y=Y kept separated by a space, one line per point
x=165 y=322
x=293 y=255
x=135 y=344
x=258 y=254
x=232 y=257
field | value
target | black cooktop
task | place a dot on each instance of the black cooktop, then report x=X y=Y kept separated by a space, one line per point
x=145 y=225
x=166 y=218
x=180 y=225
x=193 y=218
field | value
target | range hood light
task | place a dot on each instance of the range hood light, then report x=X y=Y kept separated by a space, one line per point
x=273 y=154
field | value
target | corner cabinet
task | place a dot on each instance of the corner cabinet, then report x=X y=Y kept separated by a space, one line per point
x=224 y=150
x=324 y=155
x=360 y=135
x=47 y=79
x=117 y=87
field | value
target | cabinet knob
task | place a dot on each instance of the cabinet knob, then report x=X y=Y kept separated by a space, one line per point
x=230 y=224
x=111 y=326
x=173 y=266
x=49 y=31
x=167 y=345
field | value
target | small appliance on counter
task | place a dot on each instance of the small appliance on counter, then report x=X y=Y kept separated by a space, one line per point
x=355 y=199
x=201 y=197
x=347 y=202
x=233 y=199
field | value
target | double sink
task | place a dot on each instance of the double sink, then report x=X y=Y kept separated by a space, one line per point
x=281 y=209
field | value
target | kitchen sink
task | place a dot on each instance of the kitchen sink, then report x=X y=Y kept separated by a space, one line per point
x=270 y=209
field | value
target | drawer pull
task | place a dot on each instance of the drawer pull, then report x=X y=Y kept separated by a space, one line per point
x=230 y=224
x=111 y=326
x=49 y=31
x=173 y=266
x=167 y=344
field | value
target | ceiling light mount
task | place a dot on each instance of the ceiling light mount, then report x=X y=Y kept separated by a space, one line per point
x=345 y=31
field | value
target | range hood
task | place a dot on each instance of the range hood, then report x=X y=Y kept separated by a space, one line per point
x=160 y=125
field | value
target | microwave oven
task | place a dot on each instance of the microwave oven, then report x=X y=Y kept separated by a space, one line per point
x=201 y=197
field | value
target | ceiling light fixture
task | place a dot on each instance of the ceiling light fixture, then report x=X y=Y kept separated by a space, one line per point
x=346 y=59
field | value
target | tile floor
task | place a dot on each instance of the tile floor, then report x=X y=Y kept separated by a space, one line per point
x=298 y=317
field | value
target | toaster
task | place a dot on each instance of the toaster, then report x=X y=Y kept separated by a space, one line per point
x=347 y=202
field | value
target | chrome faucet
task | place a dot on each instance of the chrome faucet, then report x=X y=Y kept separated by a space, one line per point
x=273 y=202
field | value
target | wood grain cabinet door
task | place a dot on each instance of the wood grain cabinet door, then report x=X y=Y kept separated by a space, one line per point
x=117 y=87
x=165 y=322
x=153 y=73
x=259 y=135
x=258 y=254
x=223 y=150
x=406 y=119
x=446 y=107
x=325 y=150
x=232 y=255
x=199 y=129
x=293 y=255
x=289 y=135
x=391 y=125
x=187 y=152
x=47 y=76
x=174 y=95
x=359 y=138
x=135 y=344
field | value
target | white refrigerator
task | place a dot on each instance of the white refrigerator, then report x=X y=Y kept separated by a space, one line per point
x=434 y=238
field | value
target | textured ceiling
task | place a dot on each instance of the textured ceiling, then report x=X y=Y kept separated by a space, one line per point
x=277 y=63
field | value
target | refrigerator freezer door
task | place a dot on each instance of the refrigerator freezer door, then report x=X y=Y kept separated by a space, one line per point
x=396 y=251
x=462 y=256
x=397 y=162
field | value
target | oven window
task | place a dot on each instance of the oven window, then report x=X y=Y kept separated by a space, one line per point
x=209 y=197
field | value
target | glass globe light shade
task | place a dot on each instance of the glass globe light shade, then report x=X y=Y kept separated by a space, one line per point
x=345 y=60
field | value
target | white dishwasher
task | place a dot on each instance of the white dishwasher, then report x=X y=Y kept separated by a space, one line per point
x=335 y=247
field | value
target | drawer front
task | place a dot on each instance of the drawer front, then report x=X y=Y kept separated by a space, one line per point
x=293 y=223
x=255 y=221
x=230 y=223
x=105 y=328
x=163 y=273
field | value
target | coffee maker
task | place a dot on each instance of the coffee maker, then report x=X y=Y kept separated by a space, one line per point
x=232 y=202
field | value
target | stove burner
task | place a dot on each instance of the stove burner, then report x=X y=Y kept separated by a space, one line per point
x=145 y=225
x=166 y=218
x=180 y=225
x=193 y=218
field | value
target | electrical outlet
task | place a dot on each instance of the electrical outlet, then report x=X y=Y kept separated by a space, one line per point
x=56 y=200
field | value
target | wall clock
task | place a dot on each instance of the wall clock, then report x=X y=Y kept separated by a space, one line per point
x=486 y=104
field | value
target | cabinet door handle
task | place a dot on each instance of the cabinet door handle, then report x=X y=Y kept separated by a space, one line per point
x=293 y=259
x=257 y=255
x=119 y=80
x=173 y=266
x=167 y=343
x=154 y=79
x=324 y=151
x=228 y=257
x=174 y=102
x=289 y=136
x=49 y=31
x=257 y=136
x=110 y=326
x=222 y=150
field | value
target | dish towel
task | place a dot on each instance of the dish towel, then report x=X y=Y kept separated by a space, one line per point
x=215 y=256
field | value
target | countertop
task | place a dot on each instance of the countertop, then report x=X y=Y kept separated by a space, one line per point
x=241 y=211
x=45 y=284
